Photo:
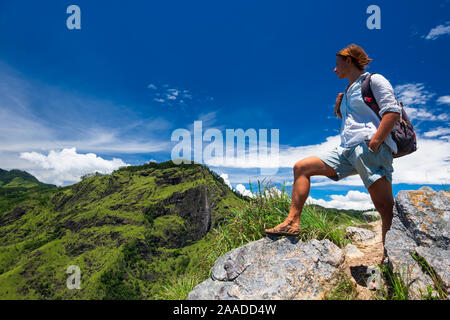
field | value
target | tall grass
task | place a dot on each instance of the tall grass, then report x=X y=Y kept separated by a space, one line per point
x=398 y=284
x=437 y=281
x=268 y=208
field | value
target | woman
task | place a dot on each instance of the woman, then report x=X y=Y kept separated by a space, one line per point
x=366 y=144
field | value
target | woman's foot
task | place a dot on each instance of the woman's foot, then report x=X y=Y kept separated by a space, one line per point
x=285 y=228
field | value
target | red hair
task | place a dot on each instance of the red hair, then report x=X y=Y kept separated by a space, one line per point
x=359 y=57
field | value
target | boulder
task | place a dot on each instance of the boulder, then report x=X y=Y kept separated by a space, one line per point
x=359 y=234
x=420 y=228
x=371 y=216
x=272 y=268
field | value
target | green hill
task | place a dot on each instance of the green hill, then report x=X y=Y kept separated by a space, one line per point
x=19 y=179
x=128 y=231
x=142 y=232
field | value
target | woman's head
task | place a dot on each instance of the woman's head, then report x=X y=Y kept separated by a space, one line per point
x=350 y=58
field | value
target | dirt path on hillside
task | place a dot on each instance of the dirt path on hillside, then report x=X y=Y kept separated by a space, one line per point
x=356 y=268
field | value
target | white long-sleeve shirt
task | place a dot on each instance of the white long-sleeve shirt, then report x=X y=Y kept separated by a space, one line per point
x=359 y=122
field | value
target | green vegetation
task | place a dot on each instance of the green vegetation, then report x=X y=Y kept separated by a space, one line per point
x=397 y=283
x=343 y=290
x=438 y=291
x=396 y=287
x=139 y=232
x=247 y=223
x=129 y=231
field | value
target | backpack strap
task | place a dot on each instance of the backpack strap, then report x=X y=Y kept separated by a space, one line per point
x=367 y=95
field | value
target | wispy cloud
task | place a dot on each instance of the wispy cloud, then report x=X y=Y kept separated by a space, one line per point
x=38 y=117
x=440 y=131
x=415 y=98
x=170 y=96
x=413 y=93
x=438 y=31
x=443 y=100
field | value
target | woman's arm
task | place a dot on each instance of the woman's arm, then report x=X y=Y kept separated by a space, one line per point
x=389 y=109
x=387 y=124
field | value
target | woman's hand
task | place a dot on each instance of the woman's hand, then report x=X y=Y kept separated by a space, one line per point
x=373 y=146
x=337 y=106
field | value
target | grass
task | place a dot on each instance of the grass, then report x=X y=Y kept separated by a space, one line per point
x=438 y=283
x=267 y=209
x=396 y=287
x=397 y=284
x=343 y=290
x=177 y=288
x=126 y=252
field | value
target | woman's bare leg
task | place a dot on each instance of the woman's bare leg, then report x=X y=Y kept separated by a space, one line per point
x=381 y=193
x=303 y=170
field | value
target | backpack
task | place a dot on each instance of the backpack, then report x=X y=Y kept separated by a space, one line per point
x=403 y=132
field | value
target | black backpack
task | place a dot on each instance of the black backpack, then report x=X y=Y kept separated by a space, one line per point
x=403 y=132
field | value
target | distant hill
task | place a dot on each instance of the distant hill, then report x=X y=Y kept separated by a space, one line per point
x=20 y=179
x=128 y=231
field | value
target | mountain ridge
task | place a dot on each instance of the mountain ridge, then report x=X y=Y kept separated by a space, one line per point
x=127 y=231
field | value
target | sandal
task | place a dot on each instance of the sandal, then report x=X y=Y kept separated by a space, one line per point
x=282 y=232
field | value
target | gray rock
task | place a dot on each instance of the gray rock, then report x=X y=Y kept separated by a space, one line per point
x=371 y=216
x=420 y=226
x=273 y=268
x=439 y=260
x=399 y=249
x=359 y=234
x=352 y=251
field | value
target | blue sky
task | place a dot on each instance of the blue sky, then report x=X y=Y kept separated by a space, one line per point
x=112 y=93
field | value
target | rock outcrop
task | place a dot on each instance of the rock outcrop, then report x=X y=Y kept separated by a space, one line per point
x=272 y=268
x=420 y=229
x=359 y=234
x=371 y=216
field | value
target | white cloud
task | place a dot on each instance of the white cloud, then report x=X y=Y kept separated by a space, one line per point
x=439 y=31
x=239 y=187
x=243 y=190
x=443 y=100
x=352 y=200
x=421 y=113
x=67 y=166
x=31 y=122
x=272 y=191
x=428 y=165
x=437 y=132
x=413 y=94
x=287 y=155
x=224 y=176
x=415 y=97
x=172 y=96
